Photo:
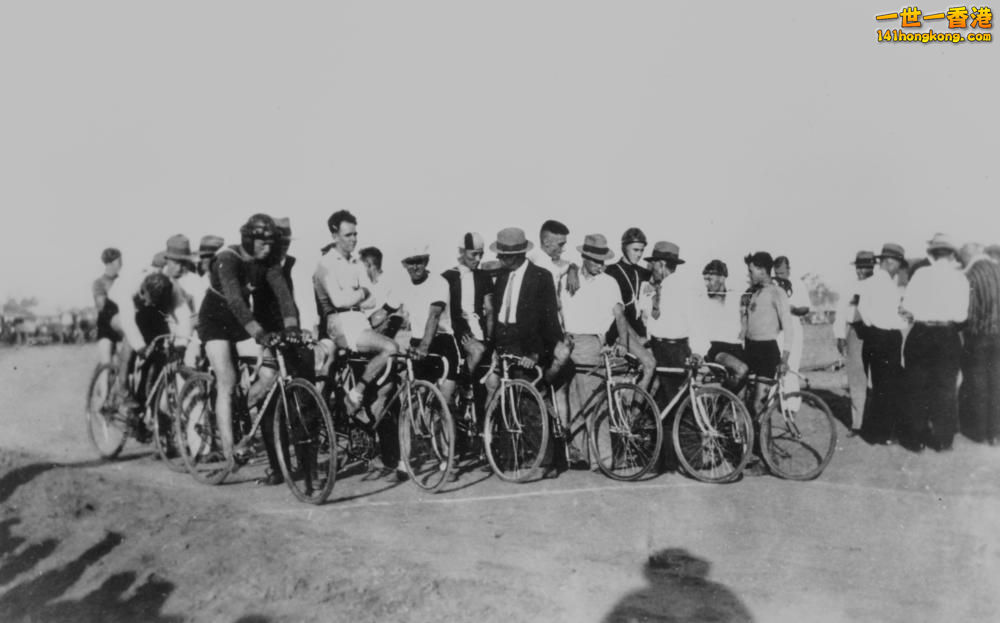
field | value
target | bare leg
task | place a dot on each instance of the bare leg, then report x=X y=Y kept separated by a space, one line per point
x=219 y=356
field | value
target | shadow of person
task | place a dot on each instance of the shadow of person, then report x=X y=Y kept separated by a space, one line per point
x=35 y=593
x=107 y=603
x=679 y=591
x=839 y=404
x=25 y=560
x=18 y=476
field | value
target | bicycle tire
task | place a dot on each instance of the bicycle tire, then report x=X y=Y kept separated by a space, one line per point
x=165 y=407
x=305 y=442
x=426 y=436
x=515 y=439
x=196 y=431
x=625 y=433
x=106 y=429
x=801 y=446
x=718 y=453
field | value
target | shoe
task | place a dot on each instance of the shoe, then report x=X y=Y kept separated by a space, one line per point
x=854 y=432
x=550 y=473
x=757 y=468
x=944 y=447
x=914 y=447
x=576 y=460
x=271 y=479
x=401 y=475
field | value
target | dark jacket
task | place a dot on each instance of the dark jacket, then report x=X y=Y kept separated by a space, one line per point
x=537 y=311
x=482 y=284
x=266 y=303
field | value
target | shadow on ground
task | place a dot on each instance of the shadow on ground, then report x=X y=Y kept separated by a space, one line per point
x=679 y=591
x=838 y=403
x=38 y=596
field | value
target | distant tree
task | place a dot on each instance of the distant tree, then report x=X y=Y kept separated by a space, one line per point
x=820 y=294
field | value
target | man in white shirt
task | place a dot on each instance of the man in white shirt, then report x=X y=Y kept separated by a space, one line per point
x=798 y=303
x=667 y=310
x=847 y=330
x=937 y=302
x=423 y=298
x=587 y=315
x=878 y=306
x=548 y=255
x=344 y=291
x=721 y=324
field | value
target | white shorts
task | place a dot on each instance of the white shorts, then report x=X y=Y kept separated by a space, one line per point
x=346 y=327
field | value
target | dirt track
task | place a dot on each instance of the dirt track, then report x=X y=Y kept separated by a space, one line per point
x=884 y=535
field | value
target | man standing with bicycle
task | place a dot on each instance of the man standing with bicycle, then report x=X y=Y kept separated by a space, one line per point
x=667 y=309
x=526 y=322
x=471 y=300
x=107 y=337
x=587 y=314
x=765 y=314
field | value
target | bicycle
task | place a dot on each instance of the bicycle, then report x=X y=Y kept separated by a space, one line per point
x=796 y=443
x=426 y=428
x=623 y=430
x=303 y=429
x=516 y=424
x=712 y=429
x=109 y=424
x=162 y=405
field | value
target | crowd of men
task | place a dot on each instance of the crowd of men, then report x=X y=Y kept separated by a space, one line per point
x=904 y=347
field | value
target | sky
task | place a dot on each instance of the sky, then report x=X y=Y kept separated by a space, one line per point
x=724 y=127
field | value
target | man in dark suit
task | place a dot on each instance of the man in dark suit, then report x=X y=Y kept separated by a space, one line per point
x=526 y=321
x=526 y=316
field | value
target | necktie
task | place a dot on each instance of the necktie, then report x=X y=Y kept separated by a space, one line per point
x=656 y=299
x=506 y=299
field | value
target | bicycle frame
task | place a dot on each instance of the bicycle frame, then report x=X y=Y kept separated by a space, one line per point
x=689 y=388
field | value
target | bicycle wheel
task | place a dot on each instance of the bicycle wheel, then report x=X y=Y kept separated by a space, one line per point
x=305 y=442
x=516 y=431
x=713 y=445
x=798 y=445
x=106 y=429
x=196 y=431
x=426 y=435
x=165 y=408
x=625 y=433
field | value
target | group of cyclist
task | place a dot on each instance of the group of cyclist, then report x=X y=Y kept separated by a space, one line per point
x=531 y=303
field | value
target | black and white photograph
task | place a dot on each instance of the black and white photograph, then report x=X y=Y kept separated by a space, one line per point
x=566 y=310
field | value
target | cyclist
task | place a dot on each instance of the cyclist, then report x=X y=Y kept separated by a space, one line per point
x=227 y=319
x=424 y=299
x=197 y=286
x=343 y=291
x=106 y=308
x=471 y=299
x=720 y=321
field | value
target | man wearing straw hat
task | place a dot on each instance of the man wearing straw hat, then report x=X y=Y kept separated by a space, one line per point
x=850 y=345
x=667 y=310
x=526 y=316
x=878 y=307
x=937 y=301
x=587 y=315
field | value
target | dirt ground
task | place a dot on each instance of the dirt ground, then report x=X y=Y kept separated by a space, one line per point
x=883 y=535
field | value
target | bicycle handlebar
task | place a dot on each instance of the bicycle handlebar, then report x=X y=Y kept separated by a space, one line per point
x=515 y=360
x=446 y=368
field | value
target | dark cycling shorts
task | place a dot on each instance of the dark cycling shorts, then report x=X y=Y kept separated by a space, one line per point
x=443 y=344
x=736 y=350
x=217 y=322
x=763 y=358
x=104 y=330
